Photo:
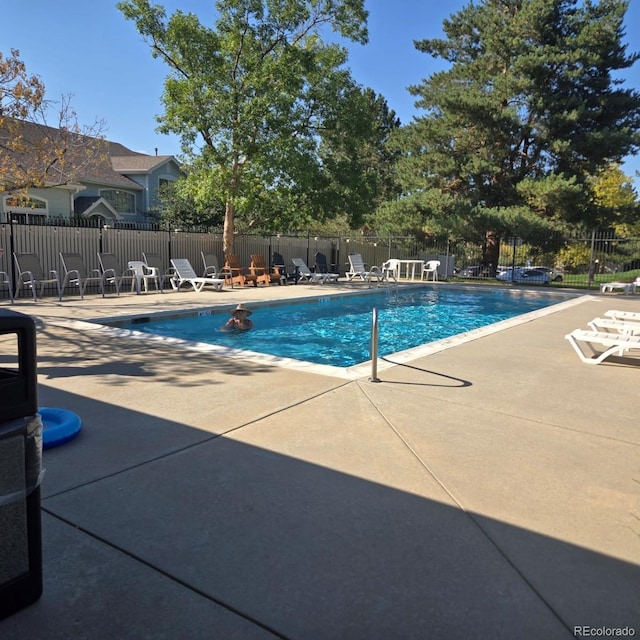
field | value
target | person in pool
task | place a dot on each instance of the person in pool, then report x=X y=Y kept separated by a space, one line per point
x=239 y=320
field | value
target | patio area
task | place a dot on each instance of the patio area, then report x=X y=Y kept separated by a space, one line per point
x=490 y=490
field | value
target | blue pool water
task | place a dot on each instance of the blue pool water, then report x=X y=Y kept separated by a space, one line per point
x=337 y=330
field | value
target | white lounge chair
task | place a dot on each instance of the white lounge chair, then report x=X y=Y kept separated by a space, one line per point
x=614 y=344
x=627 y=287
x=184 y=274
x=633 y=316
x=430 y=269
x=626 y=327
x=358 y=270
x=31 y=274
x=305 y=274
x=357 y=267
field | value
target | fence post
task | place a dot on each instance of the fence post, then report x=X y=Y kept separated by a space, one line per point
x=12 y=248
x=591 y=262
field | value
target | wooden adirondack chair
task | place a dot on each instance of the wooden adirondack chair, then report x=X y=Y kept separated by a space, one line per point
x=235 y=274
x=261 y=271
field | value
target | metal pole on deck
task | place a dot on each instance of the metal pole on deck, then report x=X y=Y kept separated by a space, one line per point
x=374 y=346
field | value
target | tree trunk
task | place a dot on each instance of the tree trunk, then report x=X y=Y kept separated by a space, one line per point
x=227 y=234
x=490 y=253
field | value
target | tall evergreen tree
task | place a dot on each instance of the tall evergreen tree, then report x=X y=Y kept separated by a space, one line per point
x=530 y=107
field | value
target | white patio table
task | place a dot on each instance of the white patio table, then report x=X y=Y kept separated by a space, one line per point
x=410 y=264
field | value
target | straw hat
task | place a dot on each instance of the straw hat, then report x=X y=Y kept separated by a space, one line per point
x=241 y=307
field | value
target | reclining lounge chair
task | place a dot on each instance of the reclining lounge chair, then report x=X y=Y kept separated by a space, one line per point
x=632 y=316
x=323 y=267
x=627 y=287
x=614 y=344
x=304 y=274
x=184 y=274
x=626 y=327
x=358 y=270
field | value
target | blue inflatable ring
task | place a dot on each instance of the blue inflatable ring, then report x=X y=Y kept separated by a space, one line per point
x=59 y=426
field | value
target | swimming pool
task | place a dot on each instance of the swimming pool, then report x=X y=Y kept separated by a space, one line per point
x=336 y=330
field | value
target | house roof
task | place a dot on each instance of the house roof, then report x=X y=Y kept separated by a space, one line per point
x=84 y=158
x=138 y=163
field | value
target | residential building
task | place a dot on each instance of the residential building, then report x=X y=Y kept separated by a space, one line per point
x=100 y=181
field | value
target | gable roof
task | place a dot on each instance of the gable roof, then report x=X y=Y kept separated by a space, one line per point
x=83 y=158
x=138 y=163
x=84 y=205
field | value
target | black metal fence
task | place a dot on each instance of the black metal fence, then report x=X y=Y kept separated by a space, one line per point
x=583 y=261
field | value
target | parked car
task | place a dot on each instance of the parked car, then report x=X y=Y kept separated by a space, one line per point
x=521 y=276
x=555 y=275
x=474 y=271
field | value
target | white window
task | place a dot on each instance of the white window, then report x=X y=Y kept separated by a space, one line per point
x=26 y=209
x=121 y=201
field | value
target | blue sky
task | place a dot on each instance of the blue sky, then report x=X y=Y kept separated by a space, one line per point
x=86 y=48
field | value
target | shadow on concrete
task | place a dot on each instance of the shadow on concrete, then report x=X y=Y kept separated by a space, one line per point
x=169 y=532
x=455 y=382
x=164 y=362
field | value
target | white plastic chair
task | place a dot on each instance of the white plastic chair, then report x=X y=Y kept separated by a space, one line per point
x=431 y=268
x=144 y=274
x=392 y=267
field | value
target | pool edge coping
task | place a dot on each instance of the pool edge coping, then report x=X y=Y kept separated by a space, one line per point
x=352 y=372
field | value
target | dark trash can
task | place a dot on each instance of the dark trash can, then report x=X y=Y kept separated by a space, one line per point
x=20 y=465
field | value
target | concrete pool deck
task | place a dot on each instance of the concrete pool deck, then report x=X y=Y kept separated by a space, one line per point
x=489 y=490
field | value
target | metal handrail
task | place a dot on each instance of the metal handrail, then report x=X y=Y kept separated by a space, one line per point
x=374 y=346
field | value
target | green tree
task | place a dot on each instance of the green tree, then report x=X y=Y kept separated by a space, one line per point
x=613 y=191
x=528 y=109
x=185 y=202
x=255 y=98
